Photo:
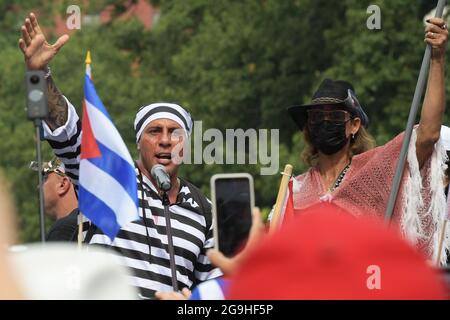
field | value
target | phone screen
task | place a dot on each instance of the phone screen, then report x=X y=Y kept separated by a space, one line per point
x=233 y=213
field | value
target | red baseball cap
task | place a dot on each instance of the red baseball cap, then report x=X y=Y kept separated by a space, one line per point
x=327 y=253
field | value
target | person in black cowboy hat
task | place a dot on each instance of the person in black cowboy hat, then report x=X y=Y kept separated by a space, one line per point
x=348 y=171
x=334 y=104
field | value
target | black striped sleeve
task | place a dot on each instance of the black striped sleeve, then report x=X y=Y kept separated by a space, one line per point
x=66 y=143
x=204 y=270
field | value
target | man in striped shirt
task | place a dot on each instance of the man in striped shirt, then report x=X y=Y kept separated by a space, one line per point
x=143 y=243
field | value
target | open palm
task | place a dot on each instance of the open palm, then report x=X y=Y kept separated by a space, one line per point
x=37 y=51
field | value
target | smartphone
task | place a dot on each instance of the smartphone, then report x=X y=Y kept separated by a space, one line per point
x=232 y=198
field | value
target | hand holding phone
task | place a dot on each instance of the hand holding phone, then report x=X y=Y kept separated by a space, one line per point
x=232 y=202
x=229 y=265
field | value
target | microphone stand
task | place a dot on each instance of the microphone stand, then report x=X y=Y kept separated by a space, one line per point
x=38 y=124
x=166 y=203
x=37 y=110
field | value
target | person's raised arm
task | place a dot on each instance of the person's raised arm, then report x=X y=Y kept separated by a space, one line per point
x=433 y=107
x=66 y=141
x=38 y=53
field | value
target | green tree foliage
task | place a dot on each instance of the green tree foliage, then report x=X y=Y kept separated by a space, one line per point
x=233 y=64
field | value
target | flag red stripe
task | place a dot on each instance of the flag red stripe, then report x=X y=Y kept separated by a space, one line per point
x=289 y=211
x=89 y=146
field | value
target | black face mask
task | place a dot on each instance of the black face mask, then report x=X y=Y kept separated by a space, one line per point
x=328 y=136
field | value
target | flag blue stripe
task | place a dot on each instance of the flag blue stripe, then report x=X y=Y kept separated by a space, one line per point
x=91 y=95
x=223 y=284
x=195 y=295
x=98 y=212
x=207 y=290
x=117 y=168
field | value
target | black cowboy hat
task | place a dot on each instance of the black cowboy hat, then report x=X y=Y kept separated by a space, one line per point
x=337 y=93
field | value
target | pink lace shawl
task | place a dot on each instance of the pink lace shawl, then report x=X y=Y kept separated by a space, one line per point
x=366 y=187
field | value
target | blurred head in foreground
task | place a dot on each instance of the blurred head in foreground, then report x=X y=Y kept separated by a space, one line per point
x=7 y=215
x=326 y=253
x=8 y=286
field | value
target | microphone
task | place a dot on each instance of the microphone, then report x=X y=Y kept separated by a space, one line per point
x=161 y=177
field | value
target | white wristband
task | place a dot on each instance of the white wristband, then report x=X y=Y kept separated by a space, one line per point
x=48 y=72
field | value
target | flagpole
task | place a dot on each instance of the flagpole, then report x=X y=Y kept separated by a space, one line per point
x=88 y=62
x=409 y=127
x=80 y=229
x=80 y=215
x=38 y=124
x=281 y=197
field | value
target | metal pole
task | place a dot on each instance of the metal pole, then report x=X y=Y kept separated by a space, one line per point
x=409 y=127
x=166 y=203
x=37 y=123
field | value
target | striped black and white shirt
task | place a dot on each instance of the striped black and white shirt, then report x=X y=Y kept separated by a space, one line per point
x=143 y=243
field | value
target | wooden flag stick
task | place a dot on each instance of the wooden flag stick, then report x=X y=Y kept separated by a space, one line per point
x=286 y=176
x=441 y=242
x=80 y=229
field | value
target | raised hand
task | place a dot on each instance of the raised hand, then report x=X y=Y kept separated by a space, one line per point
x=38 y=53
x=436 y=34
x=428 y=132
x=36 y=50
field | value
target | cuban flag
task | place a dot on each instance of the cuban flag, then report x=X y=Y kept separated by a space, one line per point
x=107 y=185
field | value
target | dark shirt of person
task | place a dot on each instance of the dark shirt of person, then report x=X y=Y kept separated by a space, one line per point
x=64 y=229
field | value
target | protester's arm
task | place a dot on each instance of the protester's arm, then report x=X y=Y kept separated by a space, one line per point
x=57 y=106
x=62 y=128
x=66 y=143
x=433 y=108
x=38 y=53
